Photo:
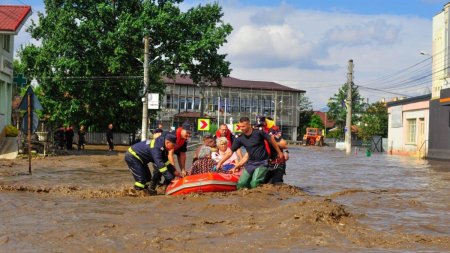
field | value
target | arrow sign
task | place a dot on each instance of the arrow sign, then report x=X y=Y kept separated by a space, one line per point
x=203 y=124
x=237 y=128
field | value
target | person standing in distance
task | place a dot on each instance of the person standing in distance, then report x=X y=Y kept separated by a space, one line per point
x=109 y=136
x=81 y=137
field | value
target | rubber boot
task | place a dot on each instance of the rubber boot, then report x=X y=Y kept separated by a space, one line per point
x=152 y=188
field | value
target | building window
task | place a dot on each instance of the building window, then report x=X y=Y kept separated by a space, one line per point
x=168 y=101
x=182 y=103
x=196 y=103
x=189 y=103
x=411 y=131
x=7 y=42
x=175 y=102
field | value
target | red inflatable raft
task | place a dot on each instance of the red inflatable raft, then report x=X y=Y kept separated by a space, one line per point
x=206 y=182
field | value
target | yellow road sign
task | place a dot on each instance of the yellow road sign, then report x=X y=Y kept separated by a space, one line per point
x=203 y=124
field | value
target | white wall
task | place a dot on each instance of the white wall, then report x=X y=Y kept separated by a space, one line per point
x=397 y=137
x=440 y=52
x=5 y=84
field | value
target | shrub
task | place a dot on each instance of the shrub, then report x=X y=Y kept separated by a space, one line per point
x=11 y=131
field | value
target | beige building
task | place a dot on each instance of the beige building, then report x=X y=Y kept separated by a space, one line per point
x=237 y=98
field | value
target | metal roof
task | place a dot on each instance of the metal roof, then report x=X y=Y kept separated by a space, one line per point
x=13 y=16
x=231 y=82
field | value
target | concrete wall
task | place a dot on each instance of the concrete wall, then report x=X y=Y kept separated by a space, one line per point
x=440 y=51
x=439 y=147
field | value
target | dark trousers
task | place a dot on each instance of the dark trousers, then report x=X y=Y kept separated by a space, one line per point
x=275 y=176
x=69 y=142
x=140 y=171
x=81 y=144
x=157 y=175
x=110 y=143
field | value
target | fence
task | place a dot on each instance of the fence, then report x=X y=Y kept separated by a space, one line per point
x=100 y=138
x=118 y=138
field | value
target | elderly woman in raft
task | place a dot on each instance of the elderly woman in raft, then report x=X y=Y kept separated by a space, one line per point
x=228 y=165
x=204 y=163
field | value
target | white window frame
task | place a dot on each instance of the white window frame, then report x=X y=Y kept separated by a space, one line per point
x=411 y=131
x=6 y=42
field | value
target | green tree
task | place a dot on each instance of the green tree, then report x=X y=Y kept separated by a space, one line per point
x=305 y=113
x=86 y=63
x=338 y=111
x=316 y=122
x=374 y=121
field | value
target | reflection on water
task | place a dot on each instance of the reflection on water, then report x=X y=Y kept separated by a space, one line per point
x=394 y=192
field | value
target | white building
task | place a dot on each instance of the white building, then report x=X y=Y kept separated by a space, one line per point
x=439 y=137
x=12 y=18
x=408 y=126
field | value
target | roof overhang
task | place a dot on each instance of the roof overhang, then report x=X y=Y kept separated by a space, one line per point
x=18 y=18
x=23 y=22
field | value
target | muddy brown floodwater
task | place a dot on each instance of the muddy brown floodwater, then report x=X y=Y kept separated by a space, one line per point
x=84 y=202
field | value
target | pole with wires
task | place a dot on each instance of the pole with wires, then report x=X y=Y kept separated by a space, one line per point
x=348 y=102
x=145 y=98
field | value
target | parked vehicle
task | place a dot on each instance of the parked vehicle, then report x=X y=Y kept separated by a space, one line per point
x=313 y=137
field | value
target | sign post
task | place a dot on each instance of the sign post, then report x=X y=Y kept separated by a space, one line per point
x=30 y=103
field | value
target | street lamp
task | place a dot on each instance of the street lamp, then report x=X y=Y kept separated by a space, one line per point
x=325 y=110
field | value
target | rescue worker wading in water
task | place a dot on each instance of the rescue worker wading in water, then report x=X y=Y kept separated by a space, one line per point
x=155 y=151
x=182 y=134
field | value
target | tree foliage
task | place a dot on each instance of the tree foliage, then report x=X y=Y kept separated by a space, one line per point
x=374 y=121
x=306 y=112
x=86 y=64
x=316 y=122
x=338 y=111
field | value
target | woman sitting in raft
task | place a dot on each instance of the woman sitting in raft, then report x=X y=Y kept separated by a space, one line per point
x=230 y=163
x=204 y=163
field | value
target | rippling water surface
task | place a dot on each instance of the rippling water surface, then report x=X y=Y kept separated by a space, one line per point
x=394 y=192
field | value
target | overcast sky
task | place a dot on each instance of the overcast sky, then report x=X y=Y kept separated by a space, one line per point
x=306 y=44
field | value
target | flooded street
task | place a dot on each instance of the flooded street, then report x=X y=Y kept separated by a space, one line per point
x=392 y=193
x=84 y=203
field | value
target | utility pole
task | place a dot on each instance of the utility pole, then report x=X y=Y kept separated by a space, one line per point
x=348 y=103
x=275 y=109
x=145 y=98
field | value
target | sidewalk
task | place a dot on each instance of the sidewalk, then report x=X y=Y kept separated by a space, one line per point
x=8 y=148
